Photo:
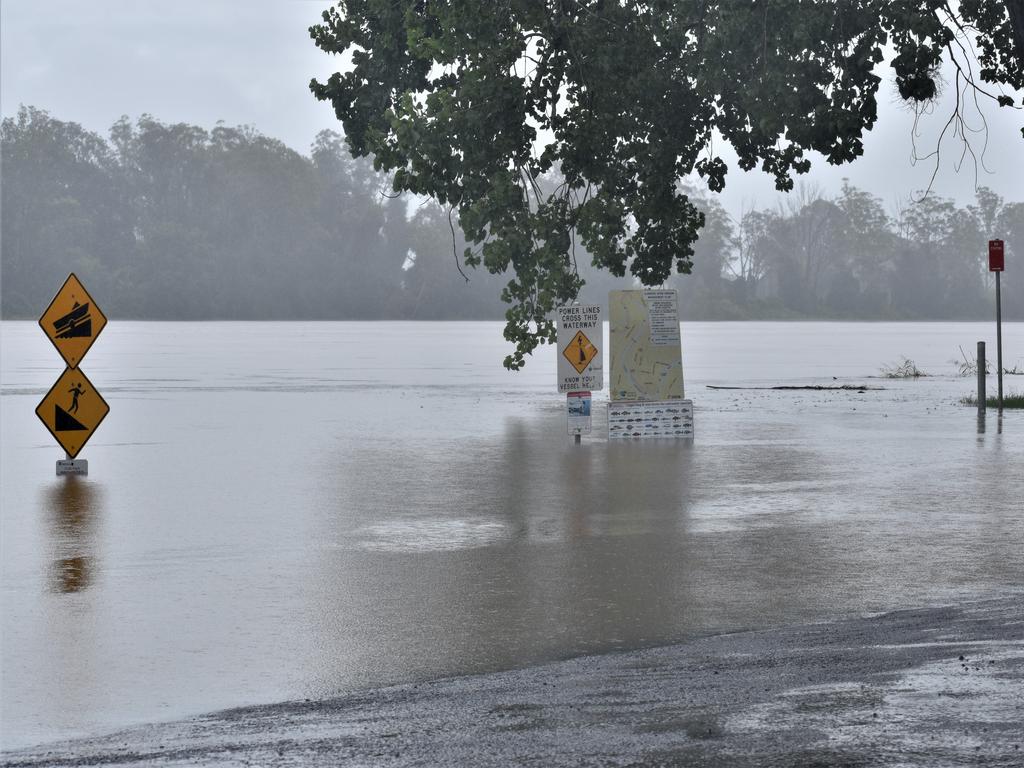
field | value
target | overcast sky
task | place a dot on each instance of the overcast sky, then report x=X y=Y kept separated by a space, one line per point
x=250 y=63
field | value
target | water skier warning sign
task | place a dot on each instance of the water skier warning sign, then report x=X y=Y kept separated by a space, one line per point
x=580 y=367
x=72 y=321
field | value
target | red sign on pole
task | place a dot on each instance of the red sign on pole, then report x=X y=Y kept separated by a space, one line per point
x=995 y=255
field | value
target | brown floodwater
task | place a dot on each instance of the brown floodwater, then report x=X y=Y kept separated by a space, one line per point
x=295 y=510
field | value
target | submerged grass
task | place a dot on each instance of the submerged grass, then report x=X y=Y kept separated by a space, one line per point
x=1012 y=400
x=969 y=366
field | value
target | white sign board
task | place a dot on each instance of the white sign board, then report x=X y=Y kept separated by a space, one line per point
x=578 y=411
x=650 y=418
x=663 y=316
x=580 y=363
x=72 y=466
x=646 y=355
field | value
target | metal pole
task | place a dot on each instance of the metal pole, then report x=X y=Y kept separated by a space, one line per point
x=981 y=378
x=999 y=342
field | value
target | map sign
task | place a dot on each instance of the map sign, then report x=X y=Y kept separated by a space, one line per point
x=580 y=366
x=72 y=410
x=72 y=321
x=646 y=356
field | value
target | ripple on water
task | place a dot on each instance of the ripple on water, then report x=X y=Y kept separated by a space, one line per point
x=434 y=535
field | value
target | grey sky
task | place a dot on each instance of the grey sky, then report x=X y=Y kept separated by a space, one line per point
x=251 y=62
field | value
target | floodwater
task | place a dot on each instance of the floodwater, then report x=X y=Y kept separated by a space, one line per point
x=296 y=510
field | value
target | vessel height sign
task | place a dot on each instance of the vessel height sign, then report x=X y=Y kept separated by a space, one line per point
x=72 y=321
x=580 y=365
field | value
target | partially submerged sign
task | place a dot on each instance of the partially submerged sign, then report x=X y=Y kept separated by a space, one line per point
x=580 y=365
x=636 y=420
x=578 y=406
x=72 y=321
x=646 y=357
x=72 y=410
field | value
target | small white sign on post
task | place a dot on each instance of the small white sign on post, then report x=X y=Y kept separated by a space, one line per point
x=72 y=466
x=578 y=411
x=580 y=363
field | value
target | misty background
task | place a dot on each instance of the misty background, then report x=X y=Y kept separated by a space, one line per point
x=174 y=158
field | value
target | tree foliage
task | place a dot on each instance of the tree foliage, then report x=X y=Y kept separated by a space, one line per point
x=175 y=221
x=472 y=103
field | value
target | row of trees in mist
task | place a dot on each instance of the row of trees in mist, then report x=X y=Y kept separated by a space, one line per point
x=178 y=222
x=846 y=256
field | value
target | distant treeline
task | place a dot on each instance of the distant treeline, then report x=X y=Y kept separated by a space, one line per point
x=177 y=222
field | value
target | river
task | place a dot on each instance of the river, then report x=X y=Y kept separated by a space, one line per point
x=294 y=510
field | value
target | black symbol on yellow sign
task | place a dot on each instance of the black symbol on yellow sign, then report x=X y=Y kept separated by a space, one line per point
x=75 y=323
x=580 y=352
x=72 y=321
x=72 y=410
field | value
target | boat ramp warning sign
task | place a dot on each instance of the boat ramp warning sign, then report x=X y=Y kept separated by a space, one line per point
x=72 y=321
x=580 y=364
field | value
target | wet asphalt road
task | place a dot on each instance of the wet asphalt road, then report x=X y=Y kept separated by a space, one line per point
x=930 y=687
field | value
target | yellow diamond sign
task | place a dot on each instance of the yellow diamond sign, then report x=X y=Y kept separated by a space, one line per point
x=72 y=410
x=579 y=352
x=72 y=321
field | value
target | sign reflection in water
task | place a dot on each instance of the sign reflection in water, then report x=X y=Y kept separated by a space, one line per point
x=74 y=510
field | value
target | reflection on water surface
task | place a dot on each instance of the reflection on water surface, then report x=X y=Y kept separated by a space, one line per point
x=73 y=506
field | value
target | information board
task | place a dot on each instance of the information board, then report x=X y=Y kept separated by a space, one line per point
x=646 y=353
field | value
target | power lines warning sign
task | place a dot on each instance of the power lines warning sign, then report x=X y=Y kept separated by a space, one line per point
x=580 y=352
x=580 y=367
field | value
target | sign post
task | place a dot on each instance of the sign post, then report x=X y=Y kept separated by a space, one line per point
x=73 y=408
x=996 y=258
